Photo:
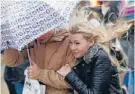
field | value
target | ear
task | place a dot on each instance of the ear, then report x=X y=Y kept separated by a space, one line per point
x=91 y=42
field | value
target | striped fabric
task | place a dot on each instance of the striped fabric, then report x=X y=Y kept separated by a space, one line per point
x=129 y=11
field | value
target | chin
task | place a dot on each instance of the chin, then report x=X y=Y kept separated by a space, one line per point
x=77 y=56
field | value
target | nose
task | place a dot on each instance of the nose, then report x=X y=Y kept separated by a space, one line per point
x=72 y=47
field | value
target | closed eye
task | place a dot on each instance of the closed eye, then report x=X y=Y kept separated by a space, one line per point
x=70 y=42
x=77 y=43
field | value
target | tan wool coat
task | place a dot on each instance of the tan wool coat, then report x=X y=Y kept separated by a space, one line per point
x=49 y=56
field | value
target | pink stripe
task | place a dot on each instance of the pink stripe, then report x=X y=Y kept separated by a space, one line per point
x=129 y=12
x=129 y=9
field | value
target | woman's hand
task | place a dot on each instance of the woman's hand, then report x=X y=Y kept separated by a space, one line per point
x=64 y=70
x=33 y=71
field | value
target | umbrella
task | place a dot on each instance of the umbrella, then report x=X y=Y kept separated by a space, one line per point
x=24 y=21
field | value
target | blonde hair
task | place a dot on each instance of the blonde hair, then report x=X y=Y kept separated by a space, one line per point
x=101 y=35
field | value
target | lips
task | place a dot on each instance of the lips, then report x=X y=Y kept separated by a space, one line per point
x=75 y=53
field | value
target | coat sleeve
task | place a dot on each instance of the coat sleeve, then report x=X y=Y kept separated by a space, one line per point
x=12 y=57
x=100 y=78
x=52 y=78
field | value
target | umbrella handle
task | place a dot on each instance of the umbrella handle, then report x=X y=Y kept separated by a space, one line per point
x=28 y=52
x=8 y=44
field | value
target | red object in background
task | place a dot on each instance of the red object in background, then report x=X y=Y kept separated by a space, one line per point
x=98 y=2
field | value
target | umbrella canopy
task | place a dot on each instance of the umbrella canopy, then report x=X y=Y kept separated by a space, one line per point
x=24 y=21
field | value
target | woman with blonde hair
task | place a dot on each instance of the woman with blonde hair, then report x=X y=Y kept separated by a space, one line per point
x=95 y=70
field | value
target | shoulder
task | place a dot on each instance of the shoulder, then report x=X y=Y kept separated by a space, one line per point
x=101 y=57
x=95 y=53
x=101 y=53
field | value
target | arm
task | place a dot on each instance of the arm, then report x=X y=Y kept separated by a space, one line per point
x=52 y=78
x=12 y=57
x=100 y=78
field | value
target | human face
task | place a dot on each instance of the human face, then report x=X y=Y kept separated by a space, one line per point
x=78 y=45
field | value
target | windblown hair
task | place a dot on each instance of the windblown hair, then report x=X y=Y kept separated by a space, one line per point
x=101 y=35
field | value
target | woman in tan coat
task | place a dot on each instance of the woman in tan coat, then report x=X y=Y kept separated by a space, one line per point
x=50 y=53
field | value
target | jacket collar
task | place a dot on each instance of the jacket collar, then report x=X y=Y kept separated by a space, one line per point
x=91 y=53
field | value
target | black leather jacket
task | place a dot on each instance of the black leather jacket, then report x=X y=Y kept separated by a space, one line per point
x=94 y=74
